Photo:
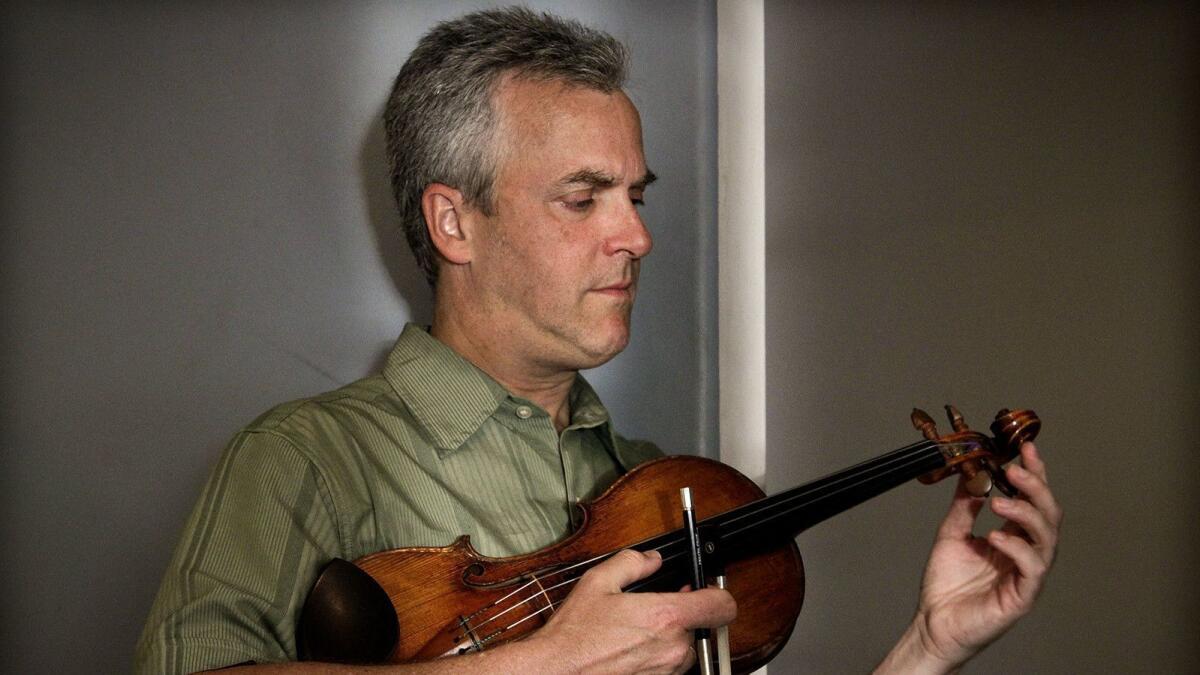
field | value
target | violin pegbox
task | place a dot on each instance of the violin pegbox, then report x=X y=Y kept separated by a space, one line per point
x=977 y=457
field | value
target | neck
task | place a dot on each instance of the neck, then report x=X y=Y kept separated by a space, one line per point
x=490 y=352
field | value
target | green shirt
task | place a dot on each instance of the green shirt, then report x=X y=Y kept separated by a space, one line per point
x=430 y=449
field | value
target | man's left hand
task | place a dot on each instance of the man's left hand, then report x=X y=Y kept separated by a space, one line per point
x=976 y=588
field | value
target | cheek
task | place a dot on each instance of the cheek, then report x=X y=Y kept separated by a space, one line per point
x=541 y=261
x=549 y=254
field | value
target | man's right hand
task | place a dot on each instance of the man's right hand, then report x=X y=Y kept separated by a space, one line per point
x=599 y=628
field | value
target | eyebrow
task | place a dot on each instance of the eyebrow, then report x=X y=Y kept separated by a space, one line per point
x=600 y=179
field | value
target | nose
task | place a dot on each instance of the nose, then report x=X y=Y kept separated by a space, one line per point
x=630 y=237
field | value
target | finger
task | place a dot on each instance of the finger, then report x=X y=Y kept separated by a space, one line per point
x=703 y=608
x=961 y=517
x=1024 y=519
x=1034 y=488
x=1032 y=460
x=623 y=568
x=1030 y=566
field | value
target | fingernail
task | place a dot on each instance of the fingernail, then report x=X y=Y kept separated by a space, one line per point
x=1002 y=502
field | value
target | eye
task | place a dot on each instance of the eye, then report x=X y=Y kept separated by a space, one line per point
x=579 y=204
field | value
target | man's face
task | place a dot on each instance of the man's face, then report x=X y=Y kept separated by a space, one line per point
x=559 y=268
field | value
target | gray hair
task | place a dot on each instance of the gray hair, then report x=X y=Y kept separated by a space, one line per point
x=440 y=120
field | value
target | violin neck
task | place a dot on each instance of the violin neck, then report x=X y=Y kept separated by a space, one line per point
x=773 y=519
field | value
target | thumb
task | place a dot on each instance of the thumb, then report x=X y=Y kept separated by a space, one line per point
x=960 y=519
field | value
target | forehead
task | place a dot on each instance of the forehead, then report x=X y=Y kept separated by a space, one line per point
x=557 y=127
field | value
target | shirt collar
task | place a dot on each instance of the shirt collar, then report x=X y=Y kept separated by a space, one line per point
x=586 y=409
x=588 y=412
x=451 y=398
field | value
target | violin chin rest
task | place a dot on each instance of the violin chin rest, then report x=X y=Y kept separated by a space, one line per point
x=347 y=618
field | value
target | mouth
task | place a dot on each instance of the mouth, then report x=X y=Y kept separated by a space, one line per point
x=620 y=289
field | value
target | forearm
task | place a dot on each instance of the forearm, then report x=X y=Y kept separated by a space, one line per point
x=528 y=655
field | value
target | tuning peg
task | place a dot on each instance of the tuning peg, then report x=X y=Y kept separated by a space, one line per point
x=1000 y=480
x=956 y=418
x=979 y=481
x=924 y=423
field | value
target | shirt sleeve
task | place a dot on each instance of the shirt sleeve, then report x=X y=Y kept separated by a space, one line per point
x=250 y=552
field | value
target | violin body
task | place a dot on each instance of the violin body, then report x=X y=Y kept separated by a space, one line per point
x=448 y=598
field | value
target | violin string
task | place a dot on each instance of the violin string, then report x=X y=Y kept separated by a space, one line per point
x=493 y=635
x=858 y=474
x=815 y=497
x=666 y=559
x=875 y=466
x=534 y=580
x=871 y=465
x=544 y=590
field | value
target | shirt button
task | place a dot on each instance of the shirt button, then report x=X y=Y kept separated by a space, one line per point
x=524 y=412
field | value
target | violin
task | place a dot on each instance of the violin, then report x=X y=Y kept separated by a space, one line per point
x=416 y=604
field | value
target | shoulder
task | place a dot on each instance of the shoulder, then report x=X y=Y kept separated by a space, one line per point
x=342 y=438
x=329 y=427
x=308 y=415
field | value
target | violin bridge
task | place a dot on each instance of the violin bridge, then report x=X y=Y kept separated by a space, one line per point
x=542 y=591
x=473 y=644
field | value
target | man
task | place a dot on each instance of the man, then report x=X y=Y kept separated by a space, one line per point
x=518 y=171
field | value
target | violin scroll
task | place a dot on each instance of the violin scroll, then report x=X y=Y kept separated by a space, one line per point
x=1014 y=427
x=979 y=458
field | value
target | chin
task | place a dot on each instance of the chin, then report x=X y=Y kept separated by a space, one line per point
x=601 y=352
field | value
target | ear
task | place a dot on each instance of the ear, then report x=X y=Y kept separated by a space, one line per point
x=446 y=213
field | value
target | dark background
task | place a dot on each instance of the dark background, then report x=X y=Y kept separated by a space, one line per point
x=992 y=205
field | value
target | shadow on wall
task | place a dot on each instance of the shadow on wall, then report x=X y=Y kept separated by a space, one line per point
x=393 y=247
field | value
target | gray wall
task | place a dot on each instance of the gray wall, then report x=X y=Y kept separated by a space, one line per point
x=196 y=226
x=994 y=206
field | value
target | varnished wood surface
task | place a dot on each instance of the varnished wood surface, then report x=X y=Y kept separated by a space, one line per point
x=433 y=588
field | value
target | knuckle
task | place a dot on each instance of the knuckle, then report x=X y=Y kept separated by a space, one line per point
x=1056 y=515
x=628 y=556
x=585 y=584
x=1021 y=508
x=679 y=654
x=1040 y=568
x=1051 y=548
x=591 y=580
x=1037 y=567
x=665 y=617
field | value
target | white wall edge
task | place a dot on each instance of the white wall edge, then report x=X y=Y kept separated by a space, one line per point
x=741 y=226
